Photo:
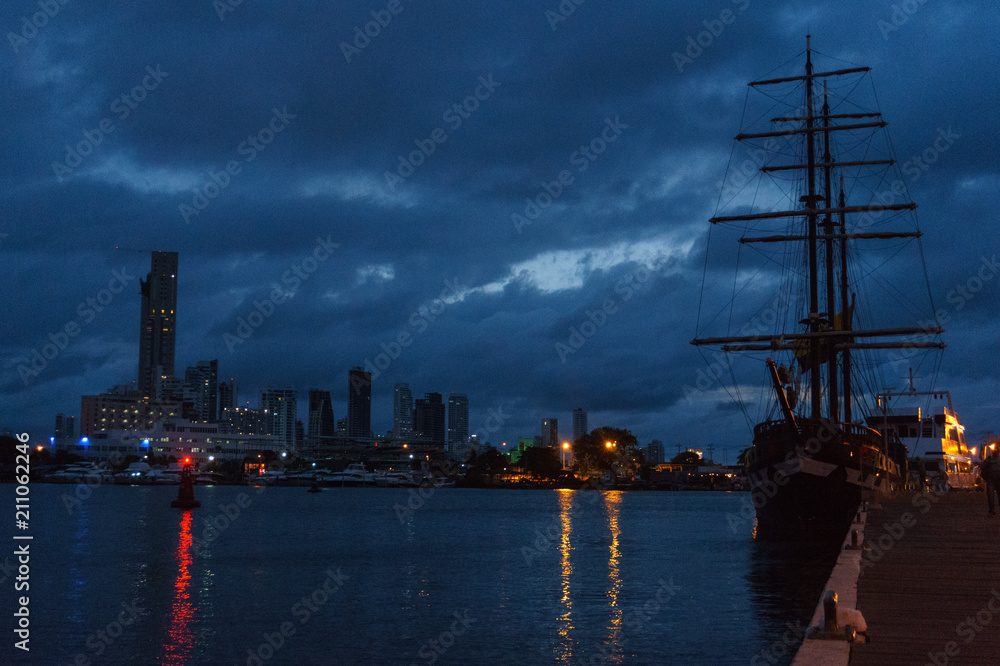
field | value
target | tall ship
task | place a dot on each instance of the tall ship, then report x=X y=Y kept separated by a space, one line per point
x=826 y=294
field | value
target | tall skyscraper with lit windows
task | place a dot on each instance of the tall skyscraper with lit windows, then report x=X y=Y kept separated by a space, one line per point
x=157 y=322
x=402 y=411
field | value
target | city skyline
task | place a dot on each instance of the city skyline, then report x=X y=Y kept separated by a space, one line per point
x=516 y=211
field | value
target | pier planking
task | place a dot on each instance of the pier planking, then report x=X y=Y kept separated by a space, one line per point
x=923 y=586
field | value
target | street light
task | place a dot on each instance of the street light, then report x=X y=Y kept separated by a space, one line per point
x=565 y=448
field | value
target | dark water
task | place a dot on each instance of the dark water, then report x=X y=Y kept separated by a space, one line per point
x=468 y=577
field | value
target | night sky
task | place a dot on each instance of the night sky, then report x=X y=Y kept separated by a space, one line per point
x=255 y=140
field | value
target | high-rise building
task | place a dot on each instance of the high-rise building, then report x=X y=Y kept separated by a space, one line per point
x=655 y=452
x=246 y=421
x=579 y=423
x=157 y=322
x=65 y=428
x=428 y=418
x=282 y=404
x=201 y=386
x=227 y=395
x=402 y=411
x=550 y=432
x=359 y=403
x=321 y=421
x=458 y=420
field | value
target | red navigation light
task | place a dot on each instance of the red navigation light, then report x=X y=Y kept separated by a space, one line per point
x=187 y=461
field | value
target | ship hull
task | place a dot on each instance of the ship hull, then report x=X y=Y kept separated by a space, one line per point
x=814 y=474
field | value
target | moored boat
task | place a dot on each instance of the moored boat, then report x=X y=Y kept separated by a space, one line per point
x=811 y=461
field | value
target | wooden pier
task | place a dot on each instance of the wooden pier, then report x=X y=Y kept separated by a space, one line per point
x=929 y=589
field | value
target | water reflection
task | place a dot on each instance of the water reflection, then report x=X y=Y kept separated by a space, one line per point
x=612 y=503
x=180 y=635
x=564 y=647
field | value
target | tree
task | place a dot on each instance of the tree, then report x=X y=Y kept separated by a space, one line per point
x=686 y=458
x=608 y=449
x=486 y=464
x=541 y=462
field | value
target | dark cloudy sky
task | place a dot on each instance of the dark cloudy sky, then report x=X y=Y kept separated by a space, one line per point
x=330 y=121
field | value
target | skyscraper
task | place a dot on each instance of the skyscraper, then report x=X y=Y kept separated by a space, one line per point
x=402 y=411
x=428 y=418
x=321 y=421
x=359 y=403
x=458 y=420
x=201 y=382
x=157 y=322
x=550 y=432
x=579 y=423
x=65 y=429
x=227 y=395
x=282 y=403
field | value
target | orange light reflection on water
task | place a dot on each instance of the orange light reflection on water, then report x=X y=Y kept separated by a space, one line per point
x=564 y=649
x=180 y=635
x=612 y=502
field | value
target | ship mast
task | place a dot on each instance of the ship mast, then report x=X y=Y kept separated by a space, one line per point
x=810 y=199
x=837 y=337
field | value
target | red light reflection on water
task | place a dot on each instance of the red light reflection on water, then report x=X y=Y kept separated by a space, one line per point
x=180 y=636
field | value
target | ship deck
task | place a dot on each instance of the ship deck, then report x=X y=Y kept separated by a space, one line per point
x=929 y=591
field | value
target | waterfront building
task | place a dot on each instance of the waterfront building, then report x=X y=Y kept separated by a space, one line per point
x=227 y=395
x=321 y=421
x=65 y=428
x=247 y=421
x=402 y=411
x=282 y=403
x=458 y=421
x=201 y=388
x=157 y=323
x=428 y=419
x=359 y=403
x=550 y=432
x=579 y=423
x=655 y=452
x=177 y=438
x=117 y=411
